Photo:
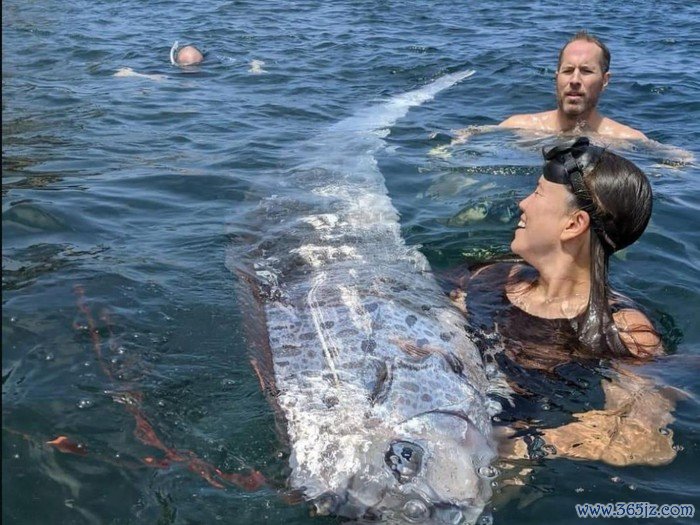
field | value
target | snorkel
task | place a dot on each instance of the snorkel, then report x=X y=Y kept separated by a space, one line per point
x=173 y=53
x=589 y=171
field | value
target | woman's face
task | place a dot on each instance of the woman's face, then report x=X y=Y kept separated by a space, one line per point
x=545 y=214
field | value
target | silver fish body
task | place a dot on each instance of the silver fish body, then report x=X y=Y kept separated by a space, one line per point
x=382 y=394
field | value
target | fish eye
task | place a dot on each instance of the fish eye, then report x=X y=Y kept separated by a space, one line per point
x=404 y=459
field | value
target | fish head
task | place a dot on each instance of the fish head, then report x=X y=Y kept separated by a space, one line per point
x=432 y=469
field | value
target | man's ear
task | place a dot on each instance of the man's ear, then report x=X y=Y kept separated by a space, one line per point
x=578 y=223
x=606 y=79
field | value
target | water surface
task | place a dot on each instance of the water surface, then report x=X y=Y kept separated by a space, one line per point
x=130 y=188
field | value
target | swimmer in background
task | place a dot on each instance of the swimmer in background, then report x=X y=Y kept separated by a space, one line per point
x=183 y=57
x=187 y=55
x=556 y=309
x=190 y=55
x=583 y=73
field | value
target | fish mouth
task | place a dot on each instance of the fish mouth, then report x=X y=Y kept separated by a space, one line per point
x=416 y=511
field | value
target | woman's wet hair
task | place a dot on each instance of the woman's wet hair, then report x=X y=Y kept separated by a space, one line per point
x=621 y=204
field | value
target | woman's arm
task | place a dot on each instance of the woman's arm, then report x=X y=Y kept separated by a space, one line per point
x=632 y=429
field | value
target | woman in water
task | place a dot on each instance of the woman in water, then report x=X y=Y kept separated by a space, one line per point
x=556 y=315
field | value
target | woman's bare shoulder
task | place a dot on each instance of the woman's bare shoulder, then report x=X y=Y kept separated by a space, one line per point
x=499 y=266
x=637 y=333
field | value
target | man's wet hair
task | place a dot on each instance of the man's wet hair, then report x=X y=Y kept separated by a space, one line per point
x=584 y=35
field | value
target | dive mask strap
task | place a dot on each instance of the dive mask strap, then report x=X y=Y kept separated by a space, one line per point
x=567 y=155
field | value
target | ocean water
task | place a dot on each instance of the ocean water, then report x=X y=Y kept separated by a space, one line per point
x=120 y=197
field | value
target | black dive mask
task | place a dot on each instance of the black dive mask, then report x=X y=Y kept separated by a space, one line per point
x=565 y=164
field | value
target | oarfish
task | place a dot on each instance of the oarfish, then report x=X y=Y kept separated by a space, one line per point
x=382 y=395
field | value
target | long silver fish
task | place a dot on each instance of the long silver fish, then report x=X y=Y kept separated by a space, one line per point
x=382 y=395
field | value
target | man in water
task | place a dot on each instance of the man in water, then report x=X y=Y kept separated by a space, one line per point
x=582 y=75
x=186 y=56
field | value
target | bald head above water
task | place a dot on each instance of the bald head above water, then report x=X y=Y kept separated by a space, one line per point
x=189 y=56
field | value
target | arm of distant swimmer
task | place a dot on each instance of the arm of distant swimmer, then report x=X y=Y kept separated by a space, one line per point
x=671 y=156
x=632 y=429
x=460 y=136
x=463 y=135
x=128 y=72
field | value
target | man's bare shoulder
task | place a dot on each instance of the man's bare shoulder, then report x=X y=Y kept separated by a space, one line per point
x=543 y=121
x=614 y=129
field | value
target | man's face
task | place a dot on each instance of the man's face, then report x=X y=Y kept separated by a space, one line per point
x=580 y=79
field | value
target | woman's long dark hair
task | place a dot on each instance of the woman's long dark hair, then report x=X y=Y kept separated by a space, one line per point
x=622 y=201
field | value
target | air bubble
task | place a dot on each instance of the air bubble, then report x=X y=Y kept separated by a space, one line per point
x=550 y=449
x=85 y=403
x=416 y=511
x=488 y=472
x=664 y=431
x=485 y=519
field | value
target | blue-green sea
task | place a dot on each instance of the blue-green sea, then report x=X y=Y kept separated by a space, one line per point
x=121 y=196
